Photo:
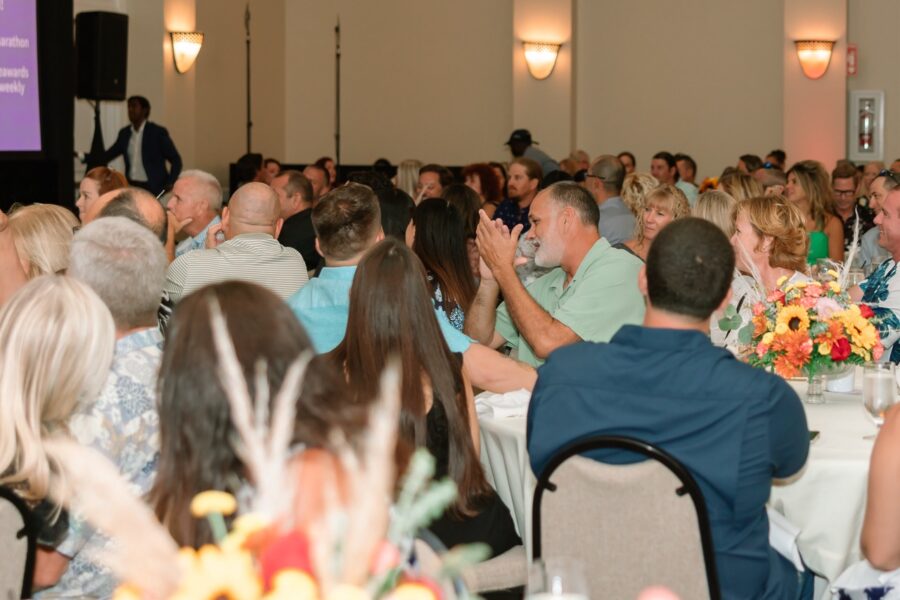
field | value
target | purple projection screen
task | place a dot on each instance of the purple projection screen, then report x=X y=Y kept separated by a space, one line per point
x=20 y=113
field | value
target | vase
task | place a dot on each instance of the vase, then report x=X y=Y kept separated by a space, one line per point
x=815 y=389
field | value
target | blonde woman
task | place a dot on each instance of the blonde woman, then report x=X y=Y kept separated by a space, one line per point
x=56 y=346
x=662 y=205
x=809 y=189
x=408 y=176
x=42 y=234
x=770 y=242
x=635 y=188
x=740 y=186
x=717 y=207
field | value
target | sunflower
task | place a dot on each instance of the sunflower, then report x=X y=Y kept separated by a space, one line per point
x=211 y=573
x=794 y=317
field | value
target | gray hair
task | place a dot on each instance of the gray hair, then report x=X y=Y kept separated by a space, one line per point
x=212 y=189
x=125 y=265
x=569 y=193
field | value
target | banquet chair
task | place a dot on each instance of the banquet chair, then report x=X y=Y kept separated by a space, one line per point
x=630 y=525
x=18 y=538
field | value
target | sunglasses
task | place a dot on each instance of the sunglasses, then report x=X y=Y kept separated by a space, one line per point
x=895 y=177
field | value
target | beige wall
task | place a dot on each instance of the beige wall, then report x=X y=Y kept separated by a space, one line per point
x=815 y=110
x=220 y=116
x=437 y=81
x=872 y=26
x=420 y=79
x=704 y=78
x=544 y=107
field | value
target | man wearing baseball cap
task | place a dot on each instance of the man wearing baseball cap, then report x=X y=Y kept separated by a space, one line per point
x=520 y=144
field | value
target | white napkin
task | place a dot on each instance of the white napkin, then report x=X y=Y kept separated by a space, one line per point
x=860 y=576
x=503 y=406
x=783 y=537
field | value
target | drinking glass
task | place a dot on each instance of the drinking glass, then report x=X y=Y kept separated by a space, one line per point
x=879 y=390
x=557 y=579
x=855 y=277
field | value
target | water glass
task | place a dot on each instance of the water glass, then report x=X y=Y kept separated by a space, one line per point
x=855 y=277
x=879 y=390
x=557 y=579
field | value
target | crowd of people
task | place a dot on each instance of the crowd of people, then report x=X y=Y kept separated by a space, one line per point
x=596 y=283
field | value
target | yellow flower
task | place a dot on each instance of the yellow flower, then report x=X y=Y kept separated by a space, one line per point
x=767 y=338
x=347 y=592
x=213 y=501
x=833 y=273
x=211 y=573
x=292 y=584
x=834 y=287
x=781 y=329
x=411 y=591
x=793 y=317
x=781 y=281
x=126 y=592
x=825 y=348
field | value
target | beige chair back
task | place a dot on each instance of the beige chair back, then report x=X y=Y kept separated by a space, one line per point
x=18 y=544
x=627 y=524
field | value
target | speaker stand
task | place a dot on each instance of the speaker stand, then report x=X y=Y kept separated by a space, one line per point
x=95 y=157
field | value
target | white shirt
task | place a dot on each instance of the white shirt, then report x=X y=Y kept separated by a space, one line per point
x=136 y=172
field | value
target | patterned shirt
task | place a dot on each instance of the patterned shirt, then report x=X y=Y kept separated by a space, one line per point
x=881 y=291
x=123 y=424
x=198 y=242
x=866 y=222
x=511 y=214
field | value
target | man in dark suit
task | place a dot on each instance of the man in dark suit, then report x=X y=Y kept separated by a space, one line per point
x=146 y=147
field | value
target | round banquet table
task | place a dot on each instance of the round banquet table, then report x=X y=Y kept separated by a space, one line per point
x=826 y=500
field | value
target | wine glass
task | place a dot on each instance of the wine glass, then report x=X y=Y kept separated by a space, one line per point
x=557 y=579
x=879 y=390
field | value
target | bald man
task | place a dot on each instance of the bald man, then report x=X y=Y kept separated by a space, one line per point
x=243 y=246
x=136 y=204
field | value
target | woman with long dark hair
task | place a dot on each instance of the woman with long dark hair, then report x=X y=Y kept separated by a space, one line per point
x=197 y=438
x=437 y=236
x=391 y=316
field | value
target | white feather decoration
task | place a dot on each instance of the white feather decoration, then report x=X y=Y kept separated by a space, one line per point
x=143 y=553
x=854 y=247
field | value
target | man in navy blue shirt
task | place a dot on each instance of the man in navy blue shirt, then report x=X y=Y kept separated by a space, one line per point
x=733 y=426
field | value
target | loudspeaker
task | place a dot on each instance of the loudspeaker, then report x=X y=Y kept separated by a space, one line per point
x=101 y=42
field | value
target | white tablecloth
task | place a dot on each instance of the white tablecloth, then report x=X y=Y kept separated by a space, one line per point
x=826 y=501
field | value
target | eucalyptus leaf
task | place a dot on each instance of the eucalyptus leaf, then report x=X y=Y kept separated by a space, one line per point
x=745 y=335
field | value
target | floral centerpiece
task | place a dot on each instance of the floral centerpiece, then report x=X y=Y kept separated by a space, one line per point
x=315 y=524
x=809 y=328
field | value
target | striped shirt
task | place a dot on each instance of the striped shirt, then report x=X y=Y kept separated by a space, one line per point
x=254 y=257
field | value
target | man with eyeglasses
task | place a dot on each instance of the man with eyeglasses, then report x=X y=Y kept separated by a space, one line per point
x=604 y=181
x=871 y=254
x=844 y=183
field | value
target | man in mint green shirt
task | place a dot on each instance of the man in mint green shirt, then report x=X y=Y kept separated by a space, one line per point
x=588 y=297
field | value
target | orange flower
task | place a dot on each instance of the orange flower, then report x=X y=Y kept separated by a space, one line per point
x=795 y=348
x=760 y=325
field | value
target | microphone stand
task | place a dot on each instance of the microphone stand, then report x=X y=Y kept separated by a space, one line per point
x=249 y=120
x=337 y=95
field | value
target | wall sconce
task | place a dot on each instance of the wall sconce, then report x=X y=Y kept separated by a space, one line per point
x=814 y=56
x=185 y=48
x=541 y=58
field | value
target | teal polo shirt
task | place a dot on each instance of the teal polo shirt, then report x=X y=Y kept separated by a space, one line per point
x=602 y=296
x=323 y=307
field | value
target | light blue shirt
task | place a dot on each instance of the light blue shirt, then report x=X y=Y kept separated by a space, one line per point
x=198 y=242
x=323 y=307
x=616 y=221
x=690 y=190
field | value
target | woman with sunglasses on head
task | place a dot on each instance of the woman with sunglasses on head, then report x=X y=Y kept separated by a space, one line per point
x=808 y=189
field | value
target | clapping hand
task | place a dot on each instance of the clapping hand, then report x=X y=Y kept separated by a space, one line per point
x=496 y=245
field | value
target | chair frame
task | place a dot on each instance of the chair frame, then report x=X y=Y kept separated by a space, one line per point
x=29 y=530
x=615 y=442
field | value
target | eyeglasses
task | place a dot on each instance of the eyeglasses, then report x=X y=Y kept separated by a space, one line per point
x=595 y=176
x=843 y=193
